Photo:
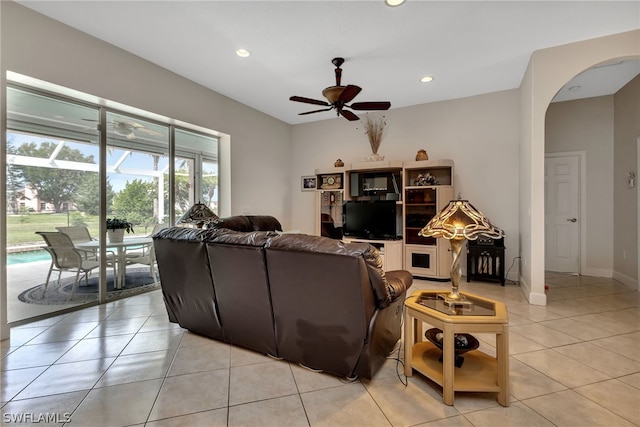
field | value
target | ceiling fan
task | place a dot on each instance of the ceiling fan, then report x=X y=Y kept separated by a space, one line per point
x=128 y=129
x=338 y=97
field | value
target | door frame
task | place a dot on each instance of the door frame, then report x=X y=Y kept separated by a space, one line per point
x=582 y=161
x=638 y=212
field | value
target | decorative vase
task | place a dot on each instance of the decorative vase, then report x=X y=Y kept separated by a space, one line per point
x=115 y=236
x=374 y=157
x=422 y=155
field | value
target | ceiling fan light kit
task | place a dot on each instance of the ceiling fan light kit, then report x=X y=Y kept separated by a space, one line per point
x=339 y=96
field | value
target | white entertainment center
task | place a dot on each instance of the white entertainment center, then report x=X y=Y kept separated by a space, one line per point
x=419 y=190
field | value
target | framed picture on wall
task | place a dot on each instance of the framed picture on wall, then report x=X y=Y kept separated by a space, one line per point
x=309 y=183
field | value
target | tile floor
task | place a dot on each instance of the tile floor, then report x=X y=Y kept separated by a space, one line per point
x=575 y=362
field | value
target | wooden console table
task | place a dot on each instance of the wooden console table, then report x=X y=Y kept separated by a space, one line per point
x=479 y=371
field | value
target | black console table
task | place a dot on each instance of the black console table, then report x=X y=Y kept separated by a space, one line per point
x=485 y=260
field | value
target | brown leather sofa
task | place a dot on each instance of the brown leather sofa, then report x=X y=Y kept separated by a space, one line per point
x=312 y=300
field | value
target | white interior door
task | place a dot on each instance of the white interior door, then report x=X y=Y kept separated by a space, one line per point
x=562 y=214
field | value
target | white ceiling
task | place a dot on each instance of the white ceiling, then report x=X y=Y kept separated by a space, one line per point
x=470 y=47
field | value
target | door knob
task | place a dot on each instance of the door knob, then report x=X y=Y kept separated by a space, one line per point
x=572 y=219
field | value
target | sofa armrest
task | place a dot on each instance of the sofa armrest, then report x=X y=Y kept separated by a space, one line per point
x=398 y=283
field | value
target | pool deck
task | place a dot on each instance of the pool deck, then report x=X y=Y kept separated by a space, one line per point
x=21 y=277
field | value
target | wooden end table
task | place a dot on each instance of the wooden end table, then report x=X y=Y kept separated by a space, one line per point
x=479 y=371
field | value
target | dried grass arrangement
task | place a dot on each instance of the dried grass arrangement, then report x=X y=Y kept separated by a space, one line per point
x=374 y=127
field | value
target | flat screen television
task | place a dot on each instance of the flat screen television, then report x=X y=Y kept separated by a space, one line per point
x=374 y=220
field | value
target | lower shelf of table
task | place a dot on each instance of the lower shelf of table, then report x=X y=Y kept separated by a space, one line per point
x=479 y=372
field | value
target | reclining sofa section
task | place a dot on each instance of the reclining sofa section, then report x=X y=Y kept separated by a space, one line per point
x=312 y=300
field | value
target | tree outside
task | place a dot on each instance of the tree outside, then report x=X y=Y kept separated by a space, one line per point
x=135 y=202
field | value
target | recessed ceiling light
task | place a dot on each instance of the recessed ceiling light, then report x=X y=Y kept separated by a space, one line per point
x=574 y=88
x=426 y=79
x=393 y=3
x=243 y=53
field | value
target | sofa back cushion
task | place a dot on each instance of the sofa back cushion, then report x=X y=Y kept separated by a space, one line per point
x=247 y=223
x=322 y=300
x=187 y=285
x=241 y=284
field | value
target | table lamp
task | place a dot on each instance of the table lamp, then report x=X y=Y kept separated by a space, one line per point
x=458 y=221
x=198 y=215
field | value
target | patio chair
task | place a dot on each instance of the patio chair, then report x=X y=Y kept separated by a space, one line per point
x=66 y=257
x=147 y=255
x=79 y=234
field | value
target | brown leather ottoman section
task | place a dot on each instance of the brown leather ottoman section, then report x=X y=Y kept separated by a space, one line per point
x=187 y=285
x=243 y=296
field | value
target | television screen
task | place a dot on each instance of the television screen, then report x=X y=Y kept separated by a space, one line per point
x=374 y=220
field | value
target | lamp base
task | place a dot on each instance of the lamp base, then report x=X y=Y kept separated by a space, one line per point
x=454 y=299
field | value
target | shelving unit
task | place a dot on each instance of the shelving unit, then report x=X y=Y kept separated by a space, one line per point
x=421 y=189
x=428 y=188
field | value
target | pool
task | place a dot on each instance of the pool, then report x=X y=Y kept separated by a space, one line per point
x=26 y=257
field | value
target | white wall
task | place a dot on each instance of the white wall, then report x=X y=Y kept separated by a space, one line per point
x=548 y=70
x=587 y=125
x=480 y=134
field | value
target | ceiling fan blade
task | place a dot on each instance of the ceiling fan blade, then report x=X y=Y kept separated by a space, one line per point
x=371 y=105
x=348 y=115
x=308 y=100
x=315 y=111
x=349 y=93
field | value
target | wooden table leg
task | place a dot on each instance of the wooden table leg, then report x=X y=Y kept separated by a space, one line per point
x=409 y=323
x=502 y=355
x=448 y=364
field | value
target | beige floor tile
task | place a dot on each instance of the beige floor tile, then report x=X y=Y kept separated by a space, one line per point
x=576 y=329
x=120 y=405
x=251 y=383
x=117 y=327
x=96 y=348
x=561 y=368
x=526 y=382
x=347 y=405
x=307 y=380
x=282 y=411
x=612 y=364
x=191 y=393
x=189 y=339
x=632 y=380
x=30 y=356
x=64 y=332
x=159 y=322
x=20 y=336
x=214 y=418
x=517 y=414
x=205 y=357
x=541 y=334
x=138 y=367
x=59 y=407
x=568 y=408
x=522 y=344
x=614 y=326
x=15 y=380
x=616 y=396
x=131 y=311
x=621 y=345
x=242 y=356
x=154 y=341
x=66 y=378
x=457 y=421
x=415 y=403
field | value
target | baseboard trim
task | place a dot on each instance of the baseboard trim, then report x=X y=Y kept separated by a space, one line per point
x=623 y=278
x=597 y=272
x=534 y=298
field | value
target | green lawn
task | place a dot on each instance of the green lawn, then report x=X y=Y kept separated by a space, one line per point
x=21 y=228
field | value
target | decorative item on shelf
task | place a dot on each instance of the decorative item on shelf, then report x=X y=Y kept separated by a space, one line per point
x=426 y=179
x=422 y=155
x=338 y=163
x=374 y=127
x=197 y=215
x=333 y=181
x=116 y=228
x=462 y=343
x=459 y=220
